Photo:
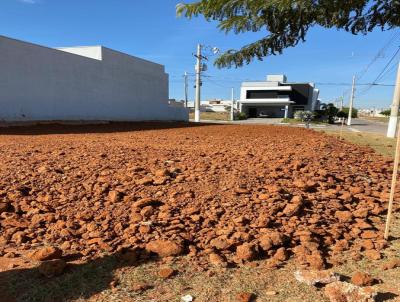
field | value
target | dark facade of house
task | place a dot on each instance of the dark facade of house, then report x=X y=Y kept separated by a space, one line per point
x=277 y=99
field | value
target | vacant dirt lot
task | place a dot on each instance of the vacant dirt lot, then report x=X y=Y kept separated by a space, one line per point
x=223 y=196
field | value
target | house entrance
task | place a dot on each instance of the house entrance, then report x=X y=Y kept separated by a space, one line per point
x=252 y=112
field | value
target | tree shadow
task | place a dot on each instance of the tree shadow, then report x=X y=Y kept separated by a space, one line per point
x=79 y=128
x=78 y=281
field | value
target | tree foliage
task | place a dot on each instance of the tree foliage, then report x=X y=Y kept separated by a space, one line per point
x=285 y=23
x=354 y=112
x=342 y=114
x=330 y=112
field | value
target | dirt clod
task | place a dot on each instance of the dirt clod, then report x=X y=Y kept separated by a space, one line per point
x=246 y=252
x=140 y=286
x=362 y=279
x=52 y=268
x=164 y=248
x=391 y=264
x=46 y=253
x=217 y=260
x=244 y=297
x=166 y=273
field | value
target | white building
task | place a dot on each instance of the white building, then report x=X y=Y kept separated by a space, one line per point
x=275 y=97
x=217 y=105
x=38 y=83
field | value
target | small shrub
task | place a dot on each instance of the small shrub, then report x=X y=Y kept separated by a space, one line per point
x=386 y=112
x=305 y=116
x=241 y=116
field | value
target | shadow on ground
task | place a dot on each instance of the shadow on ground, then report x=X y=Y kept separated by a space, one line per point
x=77 y=128
x=382 y=297
x=78 y=281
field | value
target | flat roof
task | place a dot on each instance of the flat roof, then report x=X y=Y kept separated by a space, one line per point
x=271 y=82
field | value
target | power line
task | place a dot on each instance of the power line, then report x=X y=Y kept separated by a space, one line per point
x=217 y=84
x=359 y=84
x=392 y=39
x=381 y=74
x=389 y=72
x=387 y=65
x=378 y=55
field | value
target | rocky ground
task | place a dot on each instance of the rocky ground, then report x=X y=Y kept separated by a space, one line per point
x=222 y=195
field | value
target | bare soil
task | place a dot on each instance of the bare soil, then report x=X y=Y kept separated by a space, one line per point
x=219 y=196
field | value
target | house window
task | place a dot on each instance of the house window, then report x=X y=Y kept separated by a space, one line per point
x=298 y=108
x=281 y=96
x=261 y=94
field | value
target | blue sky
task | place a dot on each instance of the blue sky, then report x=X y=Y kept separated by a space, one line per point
x=151 y=30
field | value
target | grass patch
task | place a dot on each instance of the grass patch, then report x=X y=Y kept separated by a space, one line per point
x=296 y=121
x=213 y=116
x=383 y=119
x=381 y=144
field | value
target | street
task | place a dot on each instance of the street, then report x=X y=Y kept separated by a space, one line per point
x=363 y=125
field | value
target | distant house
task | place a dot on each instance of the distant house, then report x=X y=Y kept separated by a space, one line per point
x=217 y=105
x=39 y=83
x=277 y=98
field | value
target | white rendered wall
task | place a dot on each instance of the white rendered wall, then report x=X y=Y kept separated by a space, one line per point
x=93 y=52
x=40 y=83
x=315 y=96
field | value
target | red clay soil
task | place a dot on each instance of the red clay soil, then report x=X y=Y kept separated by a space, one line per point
x=223 y=193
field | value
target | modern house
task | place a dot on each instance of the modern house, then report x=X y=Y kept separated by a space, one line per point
x=277 y=98
x=92 y=83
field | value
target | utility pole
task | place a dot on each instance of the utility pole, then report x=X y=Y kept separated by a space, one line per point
x=186 y=89
x=353 y=88
x=394 y=112
x=232 y=105
x=198 y=83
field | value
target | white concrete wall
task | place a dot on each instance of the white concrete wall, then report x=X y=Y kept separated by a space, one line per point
x=315 y=96
x=93 y=52
x=40 y=83
x=277 y=78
